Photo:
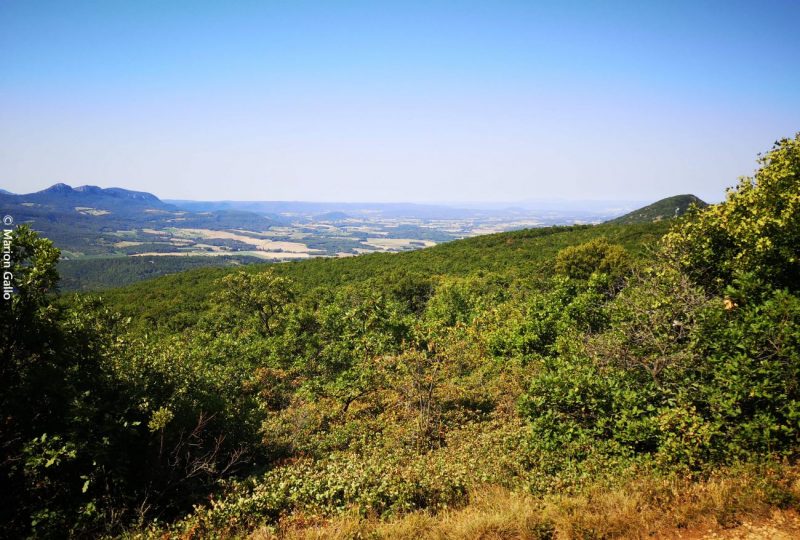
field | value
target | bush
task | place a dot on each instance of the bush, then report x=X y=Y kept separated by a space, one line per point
x=598 y=255
x=755 y=231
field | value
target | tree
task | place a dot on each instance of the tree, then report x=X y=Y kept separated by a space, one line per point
x=651 y=322
x=755 y=231
x=263 y=295
x=98 y=428
x=598 y=255
x=51 y=375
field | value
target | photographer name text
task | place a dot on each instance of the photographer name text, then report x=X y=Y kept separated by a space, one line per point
x=8 y=276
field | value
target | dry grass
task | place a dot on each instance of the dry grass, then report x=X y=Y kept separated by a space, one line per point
x=643 y=508
x=393 y=244
x=295 y=248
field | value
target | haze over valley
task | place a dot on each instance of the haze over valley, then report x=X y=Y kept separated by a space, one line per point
x=91 y=225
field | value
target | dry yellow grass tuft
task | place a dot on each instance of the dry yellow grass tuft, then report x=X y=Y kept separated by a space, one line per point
x=736 y=504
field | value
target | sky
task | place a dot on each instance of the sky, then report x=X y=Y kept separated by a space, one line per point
x=395 y=101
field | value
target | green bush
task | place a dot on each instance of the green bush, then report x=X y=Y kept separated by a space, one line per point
x=598 y=255
x=755 y=231
x=698 y=360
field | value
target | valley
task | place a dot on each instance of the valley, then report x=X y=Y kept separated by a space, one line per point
x=113 y=236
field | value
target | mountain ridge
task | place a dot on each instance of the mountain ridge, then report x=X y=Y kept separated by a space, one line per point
x=86 y=219
x=65 y=190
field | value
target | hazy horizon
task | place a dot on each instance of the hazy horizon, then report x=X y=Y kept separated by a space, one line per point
x=456 y=103
x=552 y=201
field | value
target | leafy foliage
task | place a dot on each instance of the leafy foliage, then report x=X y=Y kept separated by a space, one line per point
x=543 y=361
x=698 y=362
x=756 y=231
x=581 y=261
x=98 y=426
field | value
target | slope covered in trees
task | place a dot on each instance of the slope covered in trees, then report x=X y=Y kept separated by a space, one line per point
x=526 y=253
x=662 y=210
x=595 y=382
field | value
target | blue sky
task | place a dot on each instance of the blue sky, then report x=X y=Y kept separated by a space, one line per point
x=402 y=101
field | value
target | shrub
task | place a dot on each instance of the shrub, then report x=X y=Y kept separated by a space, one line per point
x=598 y=255
x=755 y=231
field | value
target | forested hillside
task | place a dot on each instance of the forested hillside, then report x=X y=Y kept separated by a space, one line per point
x=528 y=254
x=668 y=208
x=613 y=381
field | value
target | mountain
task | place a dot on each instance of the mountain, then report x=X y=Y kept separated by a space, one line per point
x=5 y=192
x=668 y=208
x=64 y=201
x=90 y=220
x=93 y=200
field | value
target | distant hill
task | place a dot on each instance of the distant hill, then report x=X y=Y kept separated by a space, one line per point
x=105 y=205
x=668 y=208
x=87 y=219
x=332 y=216
x=60 y=198
x=311 y=210
x=5 y=192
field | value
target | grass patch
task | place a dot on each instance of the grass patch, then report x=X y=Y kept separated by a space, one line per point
x=644 y=507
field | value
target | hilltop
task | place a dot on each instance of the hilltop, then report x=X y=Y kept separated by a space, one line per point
x=60 y=198
x=110 y=205
x=90 y=221
x=665 y=209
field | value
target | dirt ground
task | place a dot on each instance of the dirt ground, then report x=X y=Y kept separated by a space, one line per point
x=782 y=525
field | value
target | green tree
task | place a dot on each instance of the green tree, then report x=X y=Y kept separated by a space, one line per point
x=598 y=255
x=98 y=428
x=264 y=296
x=755 y=231
x=52 y=380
